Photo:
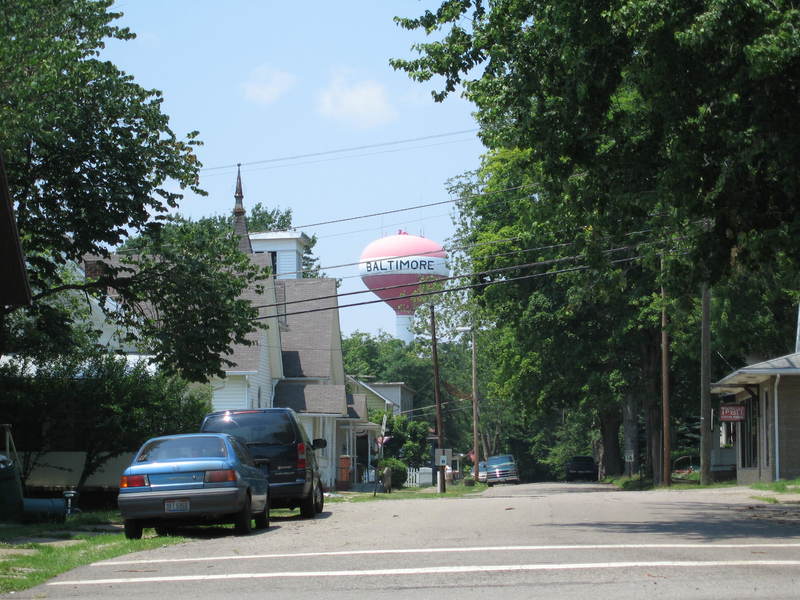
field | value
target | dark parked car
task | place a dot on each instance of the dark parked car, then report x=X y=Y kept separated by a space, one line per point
x=501 y=469
x=581 y=467
x=275 y=435
x=193 y=479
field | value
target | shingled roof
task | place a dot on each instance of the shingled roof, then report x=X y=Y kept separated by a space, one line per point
x=308 y=339
x=306 y=397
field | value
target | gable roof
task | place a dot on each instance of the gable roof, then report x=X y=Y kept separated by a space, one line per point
x=306 y=397
x=757 y=373
x=308 y=340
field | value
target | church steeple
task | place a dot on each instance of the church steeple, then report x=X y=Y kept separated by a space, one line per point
x=239 y=218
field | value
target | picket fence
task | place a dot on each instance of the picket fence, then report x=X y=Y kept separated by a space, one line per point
x=421 y=477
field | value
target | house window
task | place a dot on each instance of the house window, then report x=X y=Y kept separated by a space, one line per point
x=749 y=437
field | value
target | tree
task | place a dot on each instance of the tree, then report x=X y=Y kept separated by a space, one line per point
x=638 y=132
x=95 y=403
x=91 y=160
x=661 y=114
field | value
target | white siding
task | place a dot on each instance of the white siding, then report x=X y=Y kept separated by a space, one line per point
x=229 y=393
x=288 y=263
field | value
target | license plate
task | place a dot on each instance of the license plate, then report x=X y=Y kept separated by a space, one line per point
x=171 y=506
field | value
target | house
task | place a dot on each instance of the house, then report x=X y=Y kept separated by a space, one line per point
x=762 y=403
x=296 y=362
x=396 y=397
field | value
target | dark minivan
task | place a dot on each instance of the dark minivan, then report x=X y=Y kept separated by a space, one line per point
x=275 y=434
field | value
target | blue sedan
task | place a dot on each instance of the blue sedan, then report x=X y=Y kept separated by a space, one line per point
x=198 y=478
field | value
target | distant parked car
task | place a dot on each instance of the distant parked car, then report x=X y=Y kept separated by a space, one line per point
x=501 y=469
x=581 y=467
x=482 y=471
x=275 y=434
x=193 y=479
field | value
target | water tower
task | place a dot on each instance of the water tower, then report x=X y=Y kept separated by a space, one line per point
x=406 y=261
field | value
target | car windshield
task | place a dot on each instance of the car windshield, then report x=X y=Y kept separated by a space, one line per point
x=254 y=428
x=500 y=460
x=178 y=448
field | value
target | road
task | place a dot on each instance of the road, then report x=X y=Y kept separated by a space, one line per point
x=546 y=540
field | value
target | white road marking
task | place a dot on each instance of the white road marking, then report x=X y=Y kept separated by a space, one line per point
x=439 y=570
x=444 y=550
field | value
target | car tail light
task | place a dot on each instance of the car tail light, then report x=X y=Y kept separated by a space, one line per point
x=130 y=481
x=220 y=476
x=301 y=455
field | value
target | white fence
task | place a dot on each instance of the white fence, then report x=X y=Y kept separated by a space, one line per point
x=421 y=477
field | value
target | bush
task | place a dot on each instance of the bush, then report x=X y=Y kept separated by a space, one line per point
x=399 y=470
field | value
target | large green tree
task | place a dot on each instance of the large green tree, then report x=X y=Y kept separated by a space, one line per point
x=91 y=160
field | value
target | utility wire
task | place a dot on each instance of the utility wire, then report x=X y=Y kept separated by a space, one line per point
x=440 y=279
x=398 y=210
x=340 y=150
x=437 y=292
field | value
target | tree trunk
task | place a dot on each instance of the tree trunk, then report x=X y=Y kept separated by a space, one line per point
x=630 y=434
x=610 y=459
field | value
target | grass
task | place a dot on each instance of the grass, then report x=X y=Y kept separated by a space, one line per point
x=637 y=483
x=452 y=491
x=791 y=486
x=767 y=499
x=44 y=561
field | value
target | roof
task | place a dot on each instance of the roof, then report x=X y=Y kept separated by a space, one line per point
x=281 y=235
x=309 y=339
x=306 y=397
x=757 y=373
x=357 y=407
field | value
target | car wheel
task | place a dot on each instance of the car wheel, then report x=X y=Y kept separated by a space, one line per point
x=244 y=519
x=489 y=484
x=307 y=504
x=262 y=518
x=319 y=499
x=133 y=529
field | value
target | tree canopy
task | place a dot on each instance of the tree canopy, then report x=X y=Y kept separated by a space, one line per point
x=631 y=144
x=91 y=160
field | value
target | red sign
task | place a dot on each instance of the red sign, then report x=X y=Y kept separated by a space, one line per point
x=731 y=412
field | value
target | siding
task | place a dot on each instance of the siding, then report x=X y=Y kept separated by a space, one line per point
x=288 y=263
x=789 y=419
x=229 y=393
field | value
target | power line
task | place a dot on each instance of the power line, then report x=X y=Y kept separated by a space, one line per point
x=437 y=292
x=439 y=279
x=345 y=157
x=340 y=150
x=398 y=210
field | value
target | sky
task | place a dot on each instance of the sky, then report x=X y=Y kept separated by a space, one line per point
x=264 y=81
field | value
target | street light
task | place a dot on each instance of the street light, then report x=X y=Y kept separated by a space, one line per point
x=474 y=400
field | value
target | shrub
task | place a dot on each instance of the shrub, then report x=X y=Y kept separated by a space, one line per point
x=399 y=470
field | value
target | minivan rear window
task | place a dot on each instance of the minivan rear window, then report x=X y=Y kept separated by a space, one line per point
x=253 y=427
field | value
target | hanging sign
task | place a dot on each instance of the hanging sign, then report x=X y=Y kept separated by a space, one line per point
x=731 y=412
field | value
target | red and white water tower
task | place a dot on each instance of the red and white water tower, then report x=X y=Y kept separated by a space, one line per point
x=401 y=263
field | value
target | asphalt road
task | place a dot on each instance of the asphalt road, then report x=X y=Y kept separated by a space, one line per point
x=549 y=540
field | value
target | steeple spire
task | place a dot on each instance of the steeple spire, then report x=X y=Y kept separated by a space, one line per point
x=239 y=218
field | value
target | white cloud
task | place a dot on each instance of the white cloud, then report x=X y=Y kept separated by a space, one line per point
x=363 y=104
x=266 y=84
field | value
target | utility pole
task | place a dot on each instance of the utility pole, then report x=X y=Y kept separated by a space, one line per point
x=666 y=459
x=474 y=406
x=705 y=389
x=440 y=483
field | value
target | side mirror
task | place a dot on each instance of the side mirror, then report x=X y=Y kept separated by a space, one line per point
x=319 y=443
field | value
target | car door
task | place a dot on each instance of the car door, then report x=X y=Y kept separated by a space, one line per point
x=255 y=478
